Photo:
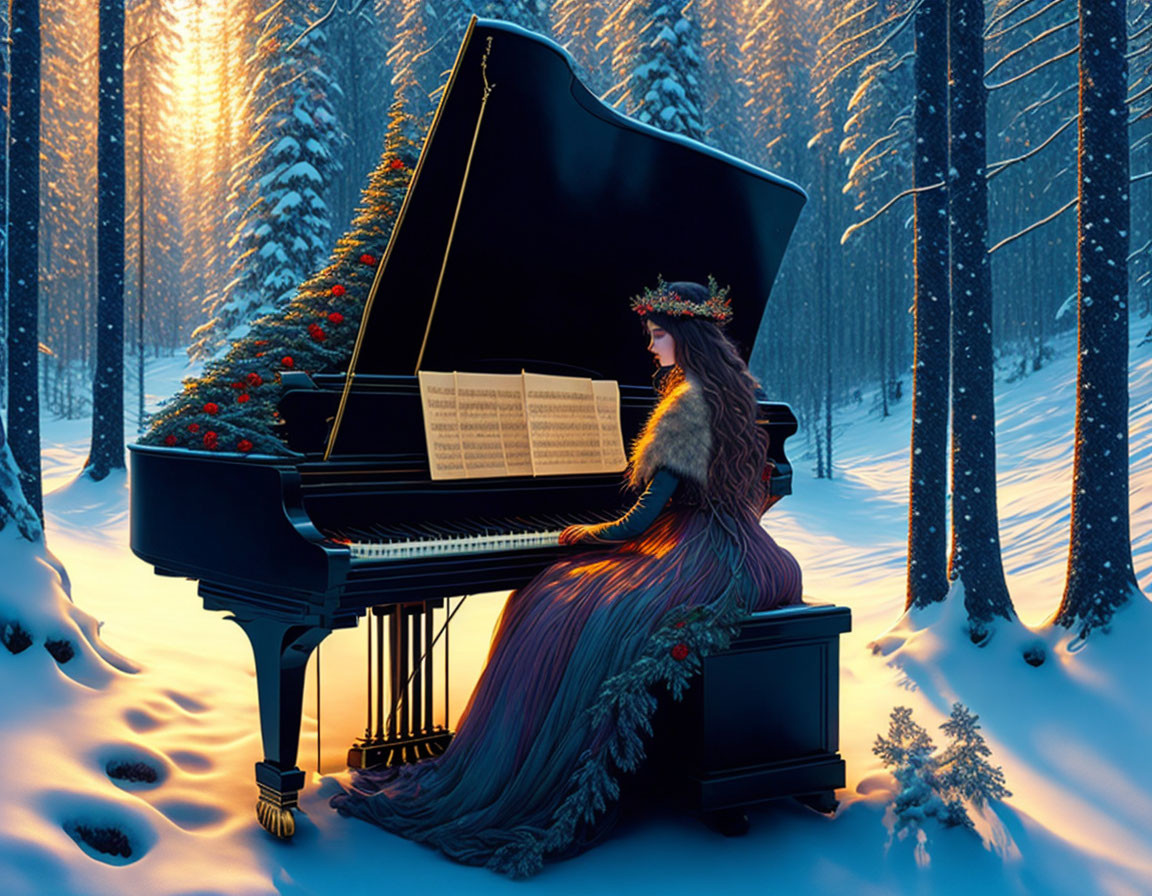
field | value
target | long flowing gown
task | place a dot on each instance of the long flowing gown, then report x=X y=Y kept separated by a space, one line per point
x=565 y=697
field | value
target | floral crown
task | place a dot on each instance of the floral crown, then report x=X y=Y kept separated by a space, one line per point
x=717 y=307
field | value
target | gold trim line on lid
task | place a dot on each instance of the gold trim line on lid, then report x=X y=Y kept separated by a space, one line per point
x=391 y=242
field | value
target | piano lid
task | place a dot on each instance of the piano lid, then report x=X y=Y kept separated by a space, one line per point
x=569 y=208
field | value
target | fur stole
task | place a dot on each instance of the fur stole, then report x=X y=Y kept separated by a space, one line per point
x=677 y=436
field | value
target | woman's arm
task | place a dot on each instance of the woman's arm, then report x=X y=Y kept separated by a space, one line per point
x=638 y=518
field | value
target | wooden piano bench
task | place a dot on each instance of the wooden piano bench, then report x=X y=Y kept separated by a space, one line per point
x=760 y=723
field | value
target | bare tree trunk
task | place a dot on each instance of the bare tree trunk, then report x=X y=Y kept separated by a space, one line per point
x=927 y=580
x=975 y=558
x=24 y=247
x=1100 y=577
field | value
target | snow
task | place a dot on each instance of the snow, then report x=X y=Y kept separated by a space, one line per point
x=177 y=693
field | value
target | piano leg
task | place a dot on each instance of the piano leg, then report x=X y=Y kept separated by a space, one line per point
x=281 y=651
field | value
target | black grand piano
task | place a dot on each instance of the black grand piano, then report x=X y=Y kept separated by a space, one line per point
x=533 y=213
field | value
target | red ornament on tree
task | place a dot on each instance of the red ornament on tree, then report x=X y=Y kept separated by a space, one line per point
x=210 y=439
x=337 y=290
x=211 y=407
x=680 y=624
x=679 y=651
x=242 y=397
x=368 y=259
x=193 y=427
x=319 y=335
x=169 y=440
x=244 y=445
x=260 y=342
x=396 y=164
x=287 y=361
x=336 y=317
x=254 y=379
x=237 y=385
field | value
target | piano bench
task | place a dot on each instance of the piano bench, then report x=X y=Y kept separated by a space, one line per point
x=761 y=722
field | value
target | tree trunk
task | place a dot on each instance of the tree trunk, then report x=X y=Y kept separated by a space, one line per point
x=975 y=558
x=107 y=451
x=1100 y=577
x=927 y=581
x=24 y=248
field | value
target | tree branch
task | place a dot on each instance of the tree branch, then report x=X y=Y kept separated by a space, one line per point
x=1023 y=21
x=859 y=224
x=1035 y=68
x=1052 y=217
x=996 y=167
x=1024 y=46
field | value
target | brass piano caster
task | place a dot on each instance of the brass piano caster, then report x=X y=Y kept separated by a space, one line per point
x=278 y=793
x=276 y=820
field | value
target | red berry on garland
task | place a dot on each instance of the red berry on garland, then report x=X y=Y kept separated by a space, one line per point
x=368 y=259
x=169 y=440
x=210 y=439
x=254 y=379
x=244 y=445
x=679 y=651
x=336 y=317
x=396 y=164
x=287 y=361
x=193 y=427
x=242 y=397
x=211 y=407
x=319 y=335
x=337 y=290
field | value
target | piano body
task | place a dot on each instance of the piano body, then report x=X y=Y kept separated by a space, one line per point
x=524 y=262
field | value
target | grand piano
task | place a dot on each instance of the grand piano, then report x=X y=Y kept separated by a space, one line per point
x=533 y=213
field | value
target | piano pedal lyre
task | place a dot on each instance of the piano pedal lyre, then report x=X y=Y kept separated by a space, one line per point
x=401 y=728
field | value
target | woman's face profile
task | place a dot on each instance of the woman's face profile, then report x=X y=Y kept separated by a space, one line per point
x=661 y=344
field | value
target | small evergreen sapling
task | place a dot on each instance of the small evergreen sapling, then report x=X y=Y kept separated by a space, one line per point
x=937 y=783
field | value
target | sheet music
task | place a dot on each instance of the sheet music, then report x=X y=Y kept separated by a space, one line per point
x=483 y=425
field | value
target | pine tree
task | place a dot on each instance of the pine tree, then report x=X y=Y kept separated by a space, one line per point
x=975 y=557
x=23 y=248
x=927 y=580
x=1100 y=578
x=14 y=507
x=963 y=767
x=107 y=451
x=233 y=406
x=284 y=234
x=660 y=59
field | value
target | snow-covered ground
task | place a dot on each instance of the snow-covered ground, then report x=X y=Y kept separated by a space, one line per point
x=171 y=687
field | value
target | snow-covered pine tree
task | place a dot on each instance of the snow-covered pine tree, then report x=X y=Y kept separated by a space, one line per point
x=576 y=26
x=232 y=406
x=975 y=556
x=285 y=231
x=1100 y=578
x=152 y=28
x=14 y=507
x=723 y=101
x=659 y=58
x=23 y=247
x=927 y=577
x=530 y=14
x=908 y=752
x=963 y=768
x=107 y=451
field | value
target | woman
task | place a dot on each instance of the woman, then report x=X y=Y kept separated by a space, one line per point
x=565 y=697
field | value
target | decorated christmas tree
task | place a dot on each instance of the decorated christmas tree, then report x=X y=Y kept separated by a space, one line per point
x=232 y=406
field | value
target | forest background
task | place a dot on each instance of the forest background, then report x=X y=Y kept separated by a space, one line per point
x=220 y=103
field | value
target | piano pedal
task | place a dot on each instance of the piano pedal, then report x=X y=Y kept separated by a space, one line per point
x=398 y=751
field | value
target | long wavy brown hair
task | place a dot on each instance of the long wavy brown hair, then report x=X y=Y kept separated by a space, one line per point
x=739 y=446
